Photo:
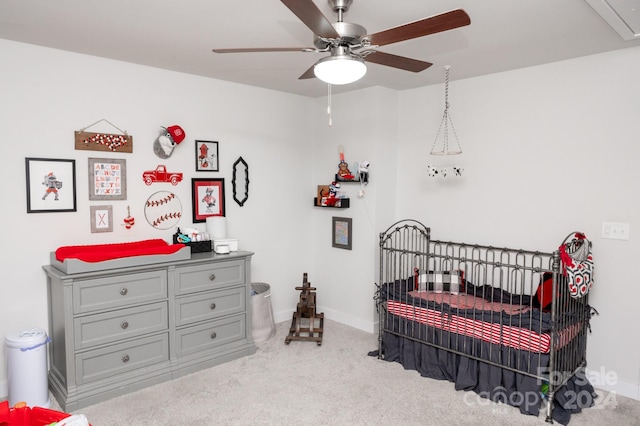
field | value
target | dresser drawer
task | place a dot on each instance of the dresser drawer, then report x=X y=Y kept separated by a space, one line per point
x=210 y=335
x=209 y=276
x=92 y=330
x=122 y=358
x=207 y=306
x=119 y=290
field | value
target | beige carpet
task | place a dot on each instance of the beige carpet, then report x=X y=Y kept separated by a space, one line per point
x=336 y=383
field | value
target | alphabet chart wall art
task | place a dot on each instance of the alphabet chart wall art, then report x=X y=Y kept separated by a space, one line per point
x=107 y=179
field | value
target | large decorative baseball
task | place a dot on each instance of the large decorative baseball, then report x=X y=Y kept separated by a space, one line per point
x=163 y=210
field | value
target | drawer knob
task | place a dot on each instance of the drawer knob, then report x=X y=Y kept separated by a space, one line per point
x=125 y=358
x=124 y=291
x=213 y=306
x=212 y=277
x=213 y=335
x=124 y=325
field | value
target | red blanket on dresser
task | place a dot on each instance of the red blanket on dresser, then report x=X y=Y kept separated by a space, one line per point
x=101 y=252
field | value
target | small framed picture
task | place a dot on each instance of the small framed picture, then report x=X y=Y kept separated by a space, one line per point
x=341 y=231
x=51 y=185
x=207 y=198
x=207 y=156
x=107 y=179
x=101 y=219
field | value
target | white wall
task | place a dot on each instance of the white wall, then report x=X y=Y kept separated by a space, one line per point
x=547 y=150
x=47 y=94
x=364 y=124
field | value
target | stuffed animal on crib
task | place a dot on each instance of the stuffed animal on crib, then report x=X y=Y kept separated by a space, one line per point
x=167 y=141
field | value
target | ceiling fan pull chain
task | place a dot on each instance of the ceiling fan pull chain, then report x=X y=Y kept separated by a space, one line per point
x=329 y=104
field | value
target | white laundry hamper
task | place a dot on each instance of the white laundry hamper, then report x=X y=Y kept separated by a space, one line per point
x=27 y=367
x=262 y=323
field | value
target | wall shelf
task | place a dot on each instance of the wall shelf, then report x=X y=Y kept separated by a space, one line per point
x=342 y=203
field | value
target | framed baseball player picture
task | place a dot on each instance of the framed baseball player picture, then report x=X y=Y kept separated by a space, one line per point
x=51 y=185
x=207 y=198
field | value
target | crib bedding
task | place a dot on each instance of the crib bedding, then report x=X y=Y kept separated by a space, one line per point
x=479 y=322
x=496 y=333
x=490 y=381
x=531 y=319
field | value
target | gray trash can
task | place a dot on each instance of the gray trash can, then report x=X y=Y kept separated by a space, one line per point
x=263 y=326
x=27 y=367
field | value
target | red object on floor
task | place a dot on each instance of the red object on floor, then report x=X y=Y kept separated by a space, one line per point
x=26 y=416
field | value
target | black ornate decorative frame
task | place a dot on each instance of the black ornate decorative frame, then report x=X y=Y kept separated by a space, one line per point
x=245 y=195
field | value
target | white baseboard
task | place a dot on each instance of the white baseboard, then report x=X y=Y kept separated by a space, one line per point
x=601 y=381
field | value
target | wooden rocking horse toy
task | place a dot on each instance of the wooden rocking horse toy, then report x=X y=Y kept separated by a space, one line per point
x=305 y=314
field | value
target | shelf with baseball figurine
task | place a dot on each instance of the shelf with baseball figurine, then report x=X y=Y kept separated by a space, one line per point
x=361 y=174
x=331 y=196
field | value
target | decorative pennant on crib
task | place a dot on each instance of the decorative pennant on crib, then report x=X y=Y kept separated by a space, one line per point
x=109 y=142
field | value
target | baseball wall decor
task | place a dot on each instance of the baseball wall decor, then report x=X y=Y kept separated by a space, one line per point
x=163 y=210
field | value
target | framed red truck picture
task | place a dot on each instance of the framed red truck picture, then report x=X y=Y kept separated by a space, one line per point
x=161 y=174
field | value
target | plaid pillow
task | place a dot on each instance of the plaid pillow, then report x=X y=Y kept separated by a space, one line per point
x=438 y=281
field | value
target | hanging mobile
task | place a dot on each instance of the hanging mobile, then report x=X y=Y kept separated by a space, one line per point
x=443 y=148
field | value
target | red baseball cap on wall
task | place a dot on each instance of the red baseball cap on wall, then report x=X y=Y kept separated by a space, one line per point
x=176 y=132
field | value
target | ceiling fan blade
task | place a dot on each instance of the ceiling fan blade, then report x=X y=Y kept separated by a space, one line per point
x=312 y=17
x=432 y=25
x=308 y=73
x=396 y=61
x=263 y=49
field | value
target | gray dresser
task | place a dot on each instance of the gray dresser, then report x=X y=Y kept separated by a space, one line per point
x=118 y=330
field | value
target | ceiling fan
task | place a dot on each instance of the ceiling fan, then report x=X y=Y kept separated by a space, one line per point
x=349 y=44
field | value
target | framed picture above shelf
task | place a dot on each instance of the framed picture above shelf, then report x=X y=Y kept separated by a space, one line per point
x=335 y=203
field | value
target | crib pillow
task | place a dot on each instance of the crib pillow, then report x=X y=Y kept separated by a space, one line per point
x=438 y=281
x=544 y=293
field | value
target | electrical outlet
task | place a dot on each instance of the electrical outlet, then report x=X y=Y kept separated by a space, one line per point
x=615 y=230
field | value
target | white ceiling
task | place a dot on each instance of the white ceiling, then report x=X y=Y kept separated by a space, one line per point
x=179 y=35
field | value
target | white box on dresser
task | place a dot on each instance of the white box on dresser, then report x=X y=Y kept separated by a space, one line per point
x=117 y=330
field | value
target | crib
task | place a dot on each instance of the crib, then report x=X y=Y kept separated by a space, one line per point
x=496 y=321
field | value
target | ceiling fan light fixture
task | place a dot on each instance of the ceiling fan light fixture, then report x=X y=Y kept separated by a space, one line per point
x=340 y=69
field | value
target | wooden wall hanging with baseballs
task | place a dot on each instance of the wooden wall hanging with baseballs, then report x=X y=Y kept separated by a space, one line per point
x=109 y=142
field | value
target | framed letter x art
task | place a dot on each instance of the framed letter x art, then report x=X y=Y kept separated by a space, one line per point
x=101 y=218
